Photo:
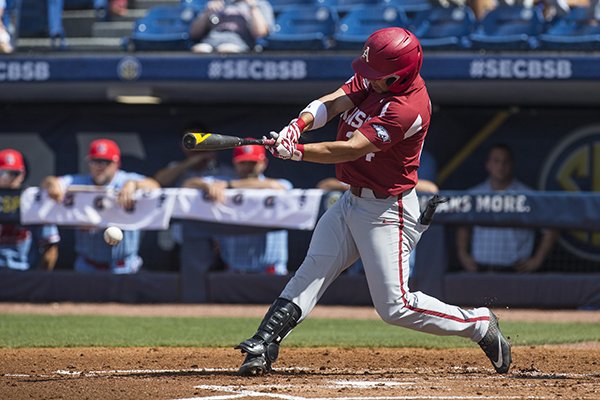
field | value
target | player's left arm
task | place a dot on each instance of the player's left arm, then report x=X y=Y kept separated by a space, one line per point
x=125 y=198
x=255 y=183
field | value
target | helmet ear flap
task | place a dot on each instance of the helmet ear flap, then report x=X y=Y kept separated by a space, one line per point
x=391 y=80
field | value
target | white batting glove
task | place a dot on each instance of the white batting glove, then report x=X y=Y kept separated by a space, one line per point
x=286 y=150
x=291 y=132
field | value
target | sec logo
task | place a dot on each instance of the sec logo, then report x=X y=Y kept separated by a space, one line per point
x=574 y=166
x=129 y=69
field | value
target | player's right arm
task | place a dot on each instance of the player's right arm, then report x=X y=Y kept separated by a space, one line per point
x=215 y=188
x=313 y=116
x=334 y=104
x=55 y=189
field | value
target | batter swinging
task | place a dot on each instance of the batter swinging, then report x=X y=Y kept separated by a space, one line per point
x=385 y=113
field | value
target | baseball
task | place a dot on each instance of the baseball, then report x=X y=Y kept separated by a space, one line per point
x=113 y=235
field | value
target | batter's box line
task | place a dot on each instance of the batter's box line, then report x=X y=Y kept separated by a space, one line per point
x=236 y=393
x=161 y=371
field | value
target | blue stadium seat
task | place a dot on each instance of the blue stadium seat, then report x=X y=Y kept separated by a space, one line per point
x=344 y=6
x=572 y=32
x=509 y=28
x=280 y=5
x=163 y=28
x=303 y=28
x=409 y=6
x=196 y=5
x=444 y=28
x=359 y=23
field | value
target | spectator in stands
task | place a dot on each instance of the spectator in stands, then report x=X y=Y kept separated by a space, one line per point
x=93 y=254
x=426 y=184
x=502 y=249
x=231 y=26
x=118 y=7
x=16 y=250
x=5 y=45
x=250 y=253
x=551 y=8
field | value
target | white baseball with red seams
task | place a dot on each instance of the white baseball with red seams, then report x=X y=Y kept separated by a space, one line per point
x=113 y=235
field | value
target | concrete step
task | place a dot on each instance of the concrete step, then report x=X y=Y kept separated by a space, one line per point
x=146 y=4
x=74 y=44
x=112 y=29
x=80 y=23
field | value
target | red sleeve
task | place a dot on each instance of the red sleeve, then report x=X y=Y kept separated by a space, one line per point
x=356 y=89
x=394 y=123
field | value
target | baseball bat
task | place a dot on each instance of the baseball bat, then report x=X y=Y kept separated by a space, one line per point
x=214 y=141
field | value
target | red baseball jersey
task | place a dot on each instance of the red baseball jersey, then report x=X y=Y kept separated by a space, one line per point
x=395 y=123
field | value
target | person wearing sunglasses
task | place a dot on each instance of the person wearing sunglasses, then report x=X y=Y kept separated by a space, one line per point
x=23 y=247
x=104 y=162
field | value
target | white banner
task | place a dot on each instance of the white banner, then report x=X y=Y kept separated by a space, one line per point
x=295 y=209
x=91 y=206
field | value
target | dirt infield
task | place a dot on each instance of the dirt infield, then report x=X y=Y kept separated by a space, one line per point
x=538 y=372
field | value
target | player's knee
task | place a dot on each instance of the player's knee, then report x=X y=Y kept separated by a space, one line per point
x=392 y=313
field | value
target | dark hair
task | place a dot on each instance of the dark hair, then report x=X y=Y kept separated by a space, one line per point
x=501 y=146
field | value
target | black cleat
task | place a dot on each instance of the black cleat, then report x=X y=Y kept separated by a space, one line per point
x=496 y=347
x=254 y=365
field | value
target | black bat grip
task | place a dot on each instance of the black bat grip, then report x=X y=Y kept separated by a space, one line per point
x=427 y=214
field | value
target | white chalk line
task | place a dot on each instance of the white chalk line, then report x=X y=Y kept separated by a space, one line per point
x=235 y=393
x=533 y=374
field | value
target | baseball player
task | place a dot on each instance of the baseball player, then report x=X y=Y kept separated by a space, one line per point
x=104 y=160
x=24 y=247
x=384 y=117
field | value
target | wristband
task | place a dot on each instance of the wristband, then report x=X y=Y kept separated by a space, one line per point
x=298 y=153
x=301 y=124
x=319 y=112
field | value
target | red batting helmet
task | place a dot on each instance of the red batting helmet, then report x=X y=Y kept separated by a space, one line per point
x=391 y=52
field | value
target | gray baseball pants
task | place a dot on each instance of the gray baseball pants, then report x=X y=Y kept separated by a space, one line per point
x=382 y=232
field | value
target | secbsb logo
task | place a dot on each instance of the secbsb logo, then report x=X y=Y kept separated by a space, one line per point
x=574 y=166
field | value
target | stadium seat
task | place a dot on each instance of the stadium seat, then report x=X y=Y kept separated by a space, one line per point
x=280 y=5
x=444 y=28
x=409 y=6
x=344 y=6
x=79 y=4
x=196 y=5
x=359 y=23
x=509 y=28
x=572 y=32
x=163 y=28
x=303 y=28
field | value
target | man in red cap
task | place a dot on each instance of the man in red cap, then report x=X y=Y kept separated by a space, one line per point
x=104 y=161
x=16 y=250
x=254 y=253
